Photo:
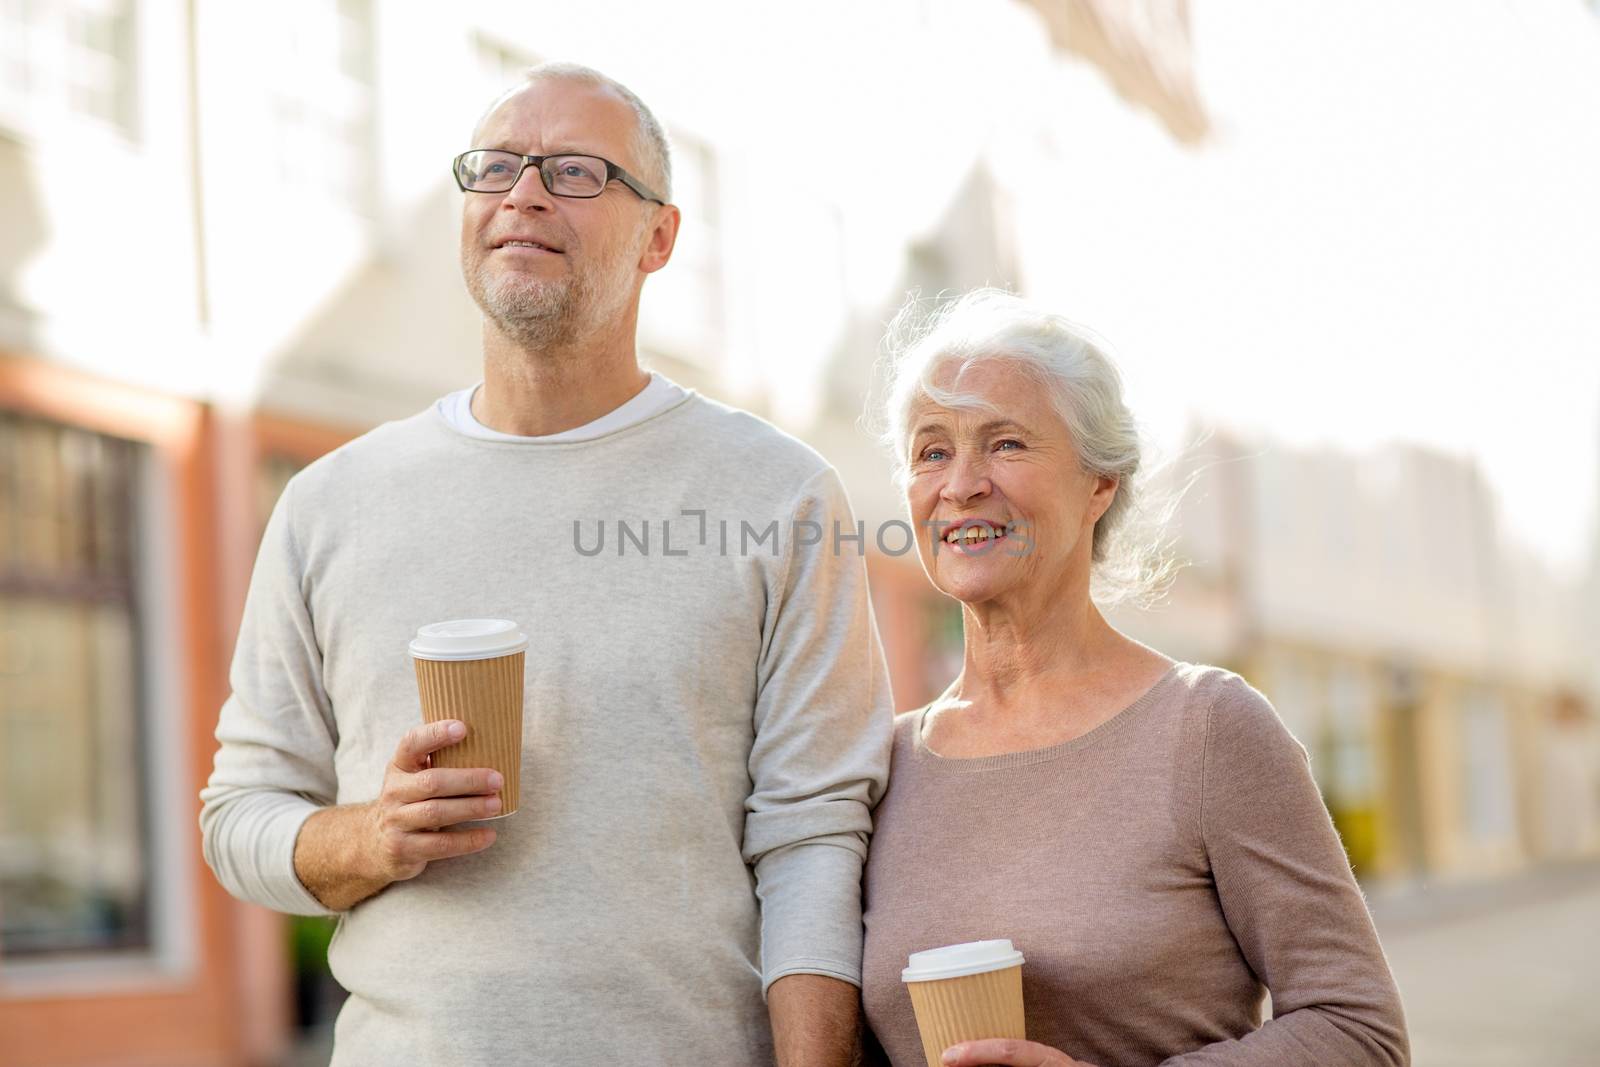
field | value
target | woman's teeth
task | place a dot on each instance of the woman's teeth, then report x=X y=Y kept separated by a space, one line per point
x=971 y=535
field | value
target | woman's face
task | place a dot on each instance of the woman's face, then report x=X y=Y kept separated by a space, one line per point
x=999 y=503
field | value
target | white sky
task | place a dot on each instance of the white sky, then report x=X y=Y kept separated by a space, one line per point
x=1393 y=234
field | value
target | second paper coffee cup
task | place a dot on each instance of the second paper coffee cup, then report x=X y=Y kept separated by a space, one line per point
x=471 y=669
x=965 y=992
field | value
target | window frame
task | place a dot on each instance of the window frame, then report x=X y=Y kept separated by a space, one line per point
x=169 y=555
x=32 y=117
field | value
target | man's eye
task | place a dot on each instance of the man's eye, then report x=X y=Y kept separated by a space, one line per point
x=493 y=168
x=572 y=170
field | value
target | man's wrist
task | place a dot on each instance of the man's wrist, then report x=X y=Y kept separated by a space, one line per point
x=366 y=861
x=335 y=858
x=815 y=1020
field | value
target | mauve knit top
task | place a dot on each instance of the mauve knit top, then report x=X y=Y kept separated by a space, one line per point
x=1161 y=874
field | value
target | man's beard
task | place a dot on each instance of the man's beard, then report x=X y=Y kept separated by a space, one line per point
x=542 y=312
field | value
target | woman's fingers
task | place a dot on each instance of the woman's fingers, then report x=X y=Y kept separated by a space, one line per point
x=1007 y=1052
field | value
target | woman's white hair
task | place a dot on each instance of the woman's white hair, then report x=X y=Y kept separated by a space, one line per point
x=1132 y=560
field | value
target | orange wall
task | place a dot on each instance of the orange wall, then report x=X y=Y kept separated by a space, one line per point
x=194 y=1019
x=900 y=597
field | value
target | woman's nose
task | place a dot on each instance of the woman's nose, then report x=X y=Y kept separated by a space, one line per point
x=968 y=480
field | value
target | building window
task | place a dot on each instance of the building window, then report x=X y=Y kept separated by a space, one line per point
x=500 y=66
x=273 y=472
x=68 y=59
x=74 y=838
x=1350 y=750
x=1488 y=798
x=322 y=103
x=1346 y=766
x=682 y=312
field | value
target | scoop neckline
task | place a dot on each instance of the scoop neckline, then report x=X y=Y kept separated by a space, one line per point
x=1024 y=757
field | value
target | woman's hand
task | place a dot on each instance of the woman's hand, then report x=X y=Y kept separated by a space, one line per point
x=1008 y=1052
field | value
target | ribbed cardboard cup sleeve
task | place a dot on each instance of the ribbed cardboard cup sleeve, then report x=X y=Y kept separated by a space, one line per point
x=970 y=1008
x=486 y=694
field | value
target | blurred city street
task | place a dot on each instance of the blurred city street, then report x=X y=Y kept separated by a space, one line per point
x=1501 y=974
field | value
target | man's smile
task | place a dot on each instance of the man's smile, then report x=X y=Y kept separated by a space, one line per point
x=528 y=245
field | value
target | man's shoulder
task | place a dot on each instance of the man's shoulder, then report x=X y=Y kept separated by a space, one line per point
x=743 y=438
x=390 y=446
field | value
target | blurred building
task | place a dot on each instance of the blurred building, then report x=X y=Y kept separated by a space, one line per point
x=1441 y=679
x=228 y=244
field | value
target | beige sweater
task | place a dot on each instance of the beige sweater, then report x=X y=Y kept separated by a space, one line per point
x=707 y=724
x=1161 y=874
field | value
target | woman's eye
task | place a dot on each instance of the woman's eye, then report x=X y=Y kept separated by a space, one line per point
x=1008 y=445
x=934 y=455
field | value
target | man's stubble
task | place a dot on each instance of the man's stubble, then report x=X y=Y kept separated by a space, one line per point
x=546 y=312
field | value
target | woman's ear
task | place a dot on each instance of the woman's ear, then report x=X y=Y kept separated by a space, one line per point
x=1105 y=491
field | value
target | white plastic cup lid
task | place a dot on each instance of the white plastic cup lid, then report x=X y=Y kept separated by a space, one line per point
x=958 y=961
x=468 y=639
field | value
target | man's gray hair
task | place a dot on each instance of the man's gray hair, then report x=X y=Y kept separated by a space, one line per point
x=1131 y=551
x=650 y=145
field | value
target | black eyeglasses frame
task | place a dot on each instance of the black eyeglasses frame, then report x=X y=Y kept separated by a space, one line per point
x=613 y=172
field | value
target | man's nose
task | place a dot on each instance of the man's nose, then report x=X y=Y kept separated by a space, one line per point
x=529 y=194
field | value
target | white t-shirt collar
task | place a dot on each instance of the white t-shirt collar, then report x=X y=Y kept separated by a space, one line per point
x=658 y=394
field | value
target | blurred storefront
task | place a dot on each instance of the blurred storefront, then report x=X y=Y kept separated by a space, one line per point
x=128 y=520
x=1440 y=681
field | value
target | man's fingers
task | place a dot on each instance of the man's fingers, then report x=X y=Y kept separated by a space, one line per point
x=425 y=847
x=446 y=782
x=443 y=811
x=429 y=737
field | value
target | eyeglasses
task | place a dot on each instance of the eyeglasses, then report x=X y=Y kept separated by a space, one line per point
x=490 y=170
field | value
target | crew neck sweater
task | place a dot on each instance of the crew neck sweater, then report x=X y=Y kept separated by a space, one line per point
x=707 y=723
x=1159 y=873
x=658 y=394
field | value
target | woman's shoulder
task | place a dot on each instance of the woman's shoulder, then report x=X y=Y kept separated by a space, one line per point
x=906 y=724
x=1236 y=718
x=1209 y=685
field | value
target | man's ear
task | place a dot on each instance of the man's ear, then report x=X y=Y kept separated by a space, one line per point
x=663 y=238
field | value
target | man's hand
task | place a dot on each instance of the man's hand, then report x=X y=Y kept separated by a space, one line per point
x=814 y=1021
x=348 y=853
x=1007 y=1052
x=419 y=800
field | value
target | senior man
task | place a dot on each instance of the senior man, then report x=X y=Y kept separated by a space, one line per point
x=707 y=723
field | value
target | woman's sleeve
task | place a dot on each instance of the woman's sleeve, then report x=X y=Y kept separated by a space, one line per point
x=1290 y=900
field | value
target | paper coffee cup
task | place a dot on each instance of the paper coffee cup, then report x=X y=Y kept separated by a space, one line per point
x=965 y=993
x=471 y=669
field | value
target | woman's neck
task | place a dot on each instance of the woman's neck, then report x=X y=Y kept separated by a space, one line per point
x=1017 y=658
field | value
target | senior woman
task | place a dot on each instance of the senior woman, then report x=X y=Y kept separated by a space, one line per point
x=1145 y=831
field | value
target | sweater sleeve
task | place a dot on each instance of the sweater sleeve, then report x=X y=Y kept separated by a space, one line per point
x=274 y=765
x=1290 y=900
x=820 y=758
